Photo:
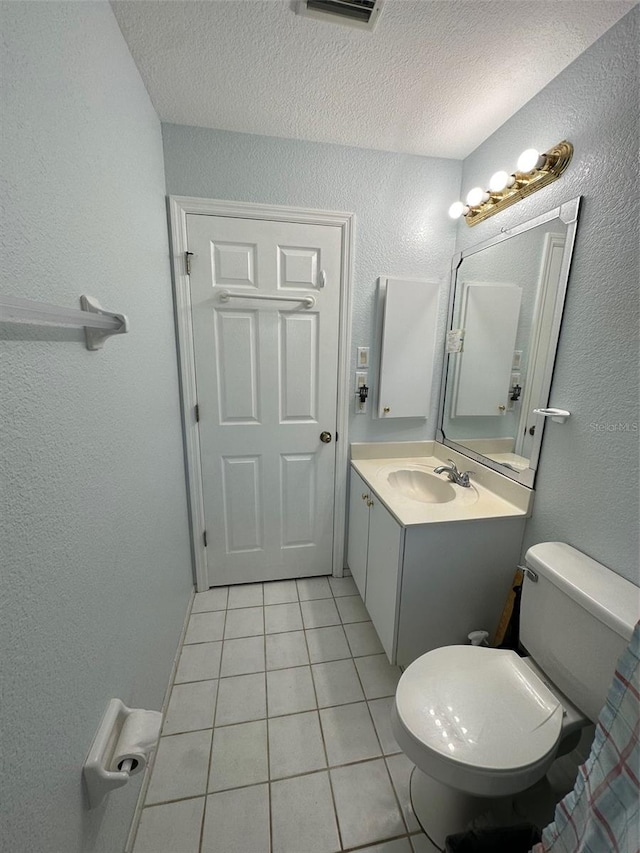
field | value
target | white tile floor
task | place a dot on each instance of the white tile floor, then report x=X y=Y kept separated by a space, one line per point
x=277 y=736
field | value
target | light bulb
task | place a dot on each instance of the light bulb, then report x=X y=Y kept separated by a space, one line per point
x=500 y=181
x=476 y=196
x=529 y=160
x=456 y=210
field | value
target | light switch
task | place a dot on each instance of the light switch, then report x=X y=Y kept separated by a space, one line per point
x=363 y=357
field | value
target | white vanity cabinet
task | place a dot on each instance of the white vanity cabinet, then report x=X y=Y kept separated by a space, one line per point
x=358 y=537
x=374 y=557
x=428 y=585
x=455 y=579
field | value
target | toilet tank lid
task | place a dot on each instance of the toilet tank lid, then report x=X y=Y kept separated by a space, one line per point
x=609 y=597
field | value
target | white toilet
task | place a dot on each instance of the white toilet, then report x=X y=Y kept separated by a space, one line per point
x=483 y=724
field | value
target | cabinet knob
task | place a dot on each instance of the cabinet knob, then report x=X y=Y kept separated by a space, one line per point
x=386 y=410
x=365 y=496
x=369 y=503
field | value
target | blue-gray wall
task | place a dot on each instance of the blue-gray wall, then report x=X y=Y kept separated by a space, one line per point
x=587 y=484
x=95 y=553
x=95 y=557
x=400 y=202
x=587 y=487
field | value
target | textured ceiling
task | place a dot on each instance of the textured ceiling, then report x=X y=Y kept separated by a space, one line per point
x=434 y=78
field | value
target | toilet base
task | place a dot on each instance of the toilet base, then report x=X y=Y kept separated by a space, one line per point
x=443 y=811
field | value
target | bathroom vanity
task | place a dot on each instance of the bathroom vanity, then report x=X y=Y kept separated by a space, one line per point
x=432 y=560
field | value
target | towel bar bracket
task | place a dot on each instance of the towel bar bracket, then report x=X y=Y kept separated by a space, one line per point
x=95 y=338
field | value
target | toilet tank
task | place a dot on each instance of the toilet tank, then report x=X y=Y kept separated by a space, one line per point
x=576 y=620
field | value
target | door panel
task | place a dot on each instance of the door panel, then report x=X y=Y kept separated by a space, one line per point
x=266 y=376
x=299 y=368
x=237 y=366
x=233 y=264
x=242 y=498
x=299 y=487
x=298 y=267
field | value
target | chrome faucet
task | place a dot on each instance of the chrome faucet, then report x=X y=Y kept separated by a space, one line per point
x=454 y=475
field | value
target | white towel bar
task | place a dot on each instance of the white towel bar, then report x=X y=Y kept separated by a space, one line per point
x=557 y=415
x=226 y=295
x=97 y=322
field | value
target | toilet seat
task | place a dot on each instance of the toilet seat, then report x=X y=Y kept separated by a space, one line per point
x=477 y=719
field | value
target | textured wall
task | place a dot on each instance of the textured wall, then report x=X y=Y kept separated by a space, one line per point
x=587 y=484
x=94 y=538
x=400 y=202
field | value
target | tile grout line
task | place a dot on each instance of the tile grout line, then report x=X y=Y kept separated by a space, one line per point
x=384 y=757
x=276 y=668
x=132 y=837
x=280 y=778
x=279 y=716
x=266 y=725
x=324 y=748
x=364 y=847
x=213 y=722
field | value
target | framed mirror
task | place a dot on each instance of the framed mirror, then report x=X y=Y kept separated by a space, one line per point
x=505 y=310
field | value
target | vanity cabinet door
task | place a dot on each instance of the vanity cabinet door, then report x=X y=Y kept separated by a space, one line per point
x=358 y=540
x=383 y=574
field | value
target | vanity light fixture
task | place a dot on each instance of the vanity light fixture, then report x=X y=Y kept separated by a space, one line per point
x=477 y=196
x=533 y=172
x=457 y=209
x=501 y=181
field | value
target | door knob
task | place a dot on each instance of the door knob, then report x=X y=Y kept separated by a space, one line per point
x=325 y=437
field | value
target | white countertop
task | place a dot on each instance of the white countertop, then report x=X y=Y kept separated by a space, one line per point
x=491 y=495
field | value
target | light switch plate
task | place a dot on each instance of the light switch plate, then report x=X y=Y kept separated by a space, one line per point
x=455 y=340
x=363 y=358
x=361 y=379
x=515 y=380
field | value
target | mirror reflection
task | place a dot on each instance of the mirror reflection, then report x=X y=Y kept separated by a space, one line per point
x=507 y=305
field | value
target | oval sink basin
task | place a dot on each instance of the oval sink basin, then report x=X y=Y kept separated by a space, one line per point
x=421 y=486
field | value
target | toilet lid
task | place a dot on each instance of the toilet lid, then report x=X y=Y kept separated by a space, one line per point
x=478 y=706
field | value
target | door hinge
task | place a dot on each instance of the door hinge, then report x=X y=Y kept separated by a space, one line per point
x=204 y=538
x=197 y=412
x=187 y=259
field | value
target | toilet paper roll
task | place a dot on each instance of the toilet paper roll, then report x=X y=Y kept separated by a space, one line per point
x=138 y=736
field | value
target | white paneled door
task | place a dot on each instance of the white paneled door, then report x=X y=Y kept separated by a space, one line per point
x=266 y=366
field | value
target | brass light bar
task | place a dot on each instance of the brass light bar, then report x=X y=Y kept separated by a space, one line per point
x=556 y=160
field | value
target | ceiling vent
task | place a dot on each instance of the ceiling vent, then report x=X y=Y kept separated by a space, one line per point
x=363 y=14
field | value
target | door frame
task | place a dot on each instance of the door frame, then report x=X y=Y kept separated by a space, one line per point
x=179 y=208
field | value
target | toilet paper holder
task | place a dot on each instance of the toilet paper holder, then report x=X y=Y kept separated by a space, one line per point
x=120 y=748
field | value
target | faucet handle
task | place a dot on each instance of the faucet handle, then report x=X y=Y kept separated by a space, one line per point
x=453 y=464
